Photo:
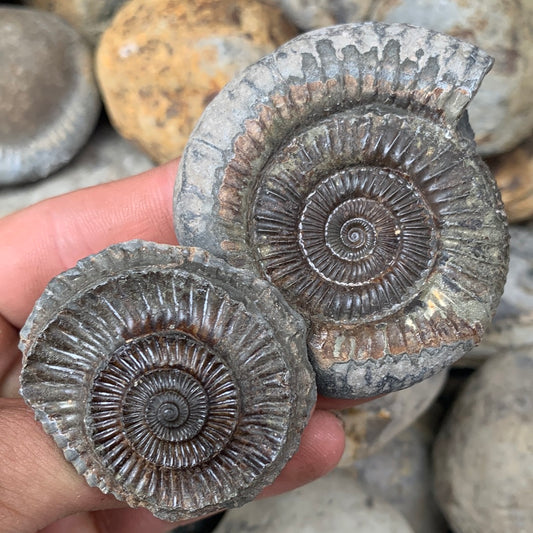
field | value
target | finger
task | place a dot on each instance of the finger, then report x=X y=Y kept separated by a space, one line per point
x=113 y=521
x=38 y=486
x=50 y=237
x=320 y=451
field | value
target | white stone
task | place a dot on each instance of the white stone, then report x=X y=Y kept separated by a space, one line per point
x=335 y=503
x=401 y=475
x=484 y=452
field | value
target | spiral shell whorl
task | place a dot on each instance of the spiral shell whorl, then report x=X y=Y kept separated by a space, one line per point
x=166 y=377
x=346 y=174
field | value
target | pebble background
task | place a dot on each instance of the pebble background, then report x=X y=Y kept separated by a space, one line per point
x=483 y=459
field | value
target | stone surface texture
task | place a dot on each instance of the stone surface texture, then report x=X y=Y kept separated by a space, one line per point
x=106 y=157
x=161 y=62
x=502 y=113
x=512 y=327
x=514 y=174
x=334 y=503
x=484 y=452
x=372 y=425
x=342 y=168
x=401 y=474
x=168 y=378
x=89 y=17
x=49 y=102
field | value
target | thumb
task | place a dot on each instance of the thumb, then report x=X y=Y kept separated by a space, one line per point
x=37 y=485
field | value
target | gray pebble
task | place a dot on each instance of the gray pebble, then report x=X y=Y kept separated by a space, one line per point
x=49 y=102
x=106 y=157
x=89 y=17
x=484 y=452
x=401 y=474
x=334 y=503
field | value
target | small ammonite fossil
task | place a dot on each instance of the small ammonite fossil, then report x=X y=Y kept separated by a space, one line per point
x=168 y=378
x=342 y=168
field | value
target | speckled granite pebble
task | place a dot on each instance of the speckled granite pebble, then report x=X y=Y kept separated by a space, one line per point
x=89 y=17
x=161 y=62
x=334 y=503
x=106 y=157
x=484 y=452
x=49 y=102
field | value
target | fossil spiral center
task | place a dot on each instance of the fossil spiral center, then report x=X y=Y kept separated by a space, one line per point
x=179 y=410
x=358 y=234
x=356 y=245
x=168 y=398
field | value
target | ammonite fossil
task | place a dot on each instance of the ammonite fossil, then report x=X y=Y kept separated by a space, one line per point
x=342 y=168
x=167 y=377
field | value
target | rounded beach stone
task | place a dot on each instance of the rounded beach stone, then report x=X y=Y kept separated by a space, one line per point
x=49 y=102
x=484 y=452
x=334 y=503
x=514 y=174
x=372 y=425
x=401 y=474
x=105 y=157
x=161 y=62
x=89 y=17
x=502 y=113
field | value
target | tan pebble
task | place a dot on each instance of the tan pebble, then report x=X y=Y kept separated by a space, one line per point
x=514 y=173
x=162 y=61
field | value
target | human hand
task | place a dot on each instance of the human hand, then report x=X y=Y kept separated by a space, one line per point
x=39 y=489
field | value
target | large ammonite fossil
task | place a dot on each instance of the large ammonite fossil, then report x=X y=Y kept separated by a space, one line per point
x=342 y=168
x=168 y=378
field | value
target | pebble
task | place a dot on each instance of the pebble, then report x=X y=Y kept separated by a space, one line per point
x=483 y=454
x=502 y=112
x=49 y=103
x=161 y=62
x=106 y=157
x=370 y=426
x=401 y=474
x=333 y=503
x=514 y=174
x=512 y=327
x=89 y=17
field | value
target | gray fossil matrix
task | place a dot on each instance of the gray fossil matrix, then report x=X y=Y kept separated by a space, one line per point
x=342 y=168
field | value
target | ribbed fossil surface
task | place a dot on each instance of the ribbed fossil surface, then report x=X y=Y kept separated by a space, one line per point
x=168 y=378
x=342 y=169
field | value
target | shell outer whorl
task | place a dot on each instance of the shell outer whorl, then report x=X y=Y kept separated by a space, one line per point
x=345 y=174
x=168 y=378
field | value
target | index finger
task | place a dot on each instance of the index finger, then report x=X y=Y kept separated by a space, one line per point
x=43 y=240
